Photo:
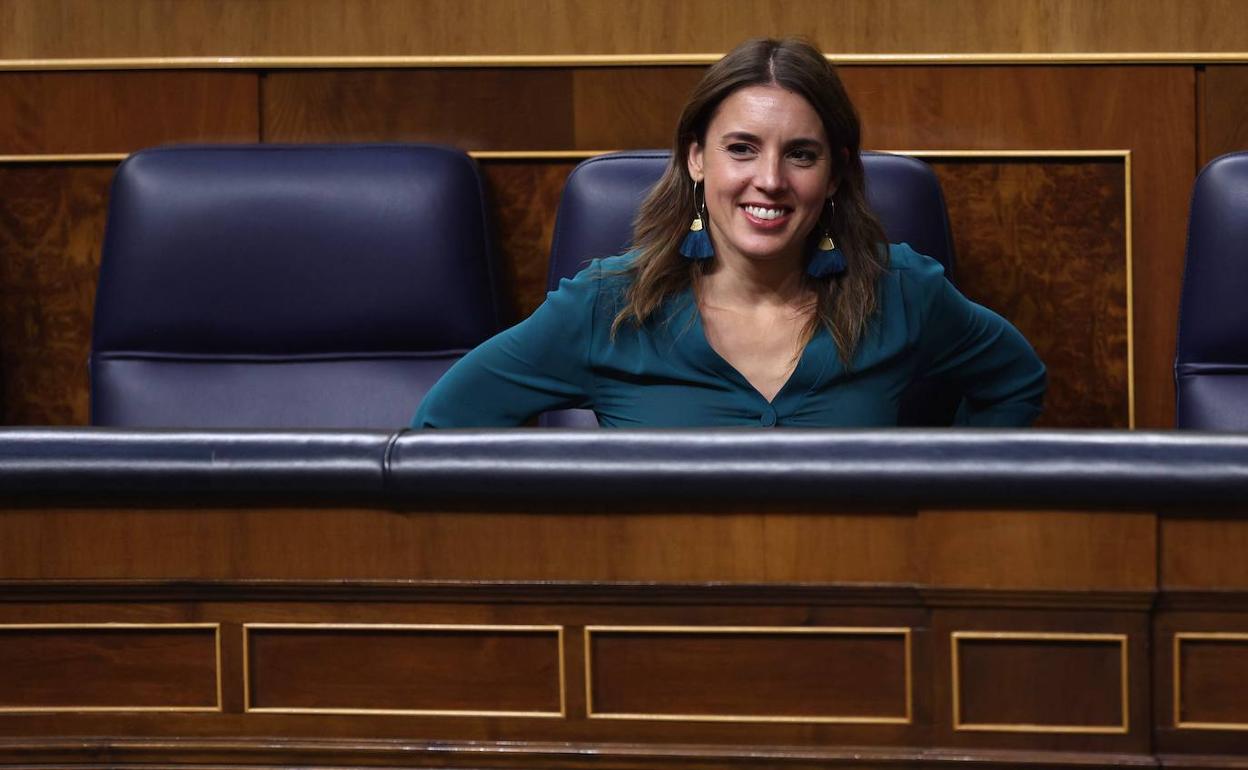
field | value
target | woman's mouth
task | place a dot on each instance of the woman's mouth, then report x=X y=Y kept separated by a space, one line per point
x=765 y=216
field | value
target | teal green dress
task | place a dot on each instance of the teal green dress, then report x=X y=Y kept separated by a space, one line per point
x=665 y=374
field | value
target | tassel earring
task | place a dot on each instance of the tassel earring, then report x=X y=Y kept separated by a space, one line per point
x=826 y=259
x=697 y=242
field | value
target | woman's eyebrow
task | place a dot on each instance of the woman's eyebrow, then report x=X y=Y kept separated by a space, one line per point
x=740 y=136
x=805 y=141
x=746 y=136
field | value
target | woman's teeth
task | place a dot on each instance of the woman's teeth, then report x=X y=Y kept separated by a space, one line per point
x=762 y=213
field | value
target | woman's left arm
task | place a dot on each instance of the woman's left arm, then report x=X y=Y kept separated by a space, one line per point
x=1001 y=377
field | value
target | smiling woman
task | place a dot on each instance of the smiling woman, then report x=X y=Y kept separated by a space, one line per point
x=761 y=289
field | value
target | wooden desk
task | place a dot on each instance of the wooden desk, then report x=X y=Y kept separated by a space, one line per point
x=539 y=630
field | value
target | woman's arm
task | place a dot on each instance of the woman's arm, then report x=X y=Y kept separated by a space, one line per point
x=1002 y=379
x=542 y=363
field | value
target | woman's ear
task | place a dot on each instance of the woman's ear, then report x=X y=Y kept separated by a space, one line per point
x=694 y=161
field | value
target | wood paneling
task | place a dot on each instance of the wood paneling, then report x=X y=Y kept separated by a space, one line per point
x=51 y=227
x=109 y=112
x=524 y=198
x=497 y=109
x=1147 y=110
x=1044 y=244
x=798 y=675
x=630 y=107
x=1212 y=681
x=92 y=28
x=1014 y=683
x=404 y=669
x=1207 y=686
x=70 y=668
x=740 y=546
x=1224 y=126
x=1025 y=687
x=1203 y=553
x=1059 y=550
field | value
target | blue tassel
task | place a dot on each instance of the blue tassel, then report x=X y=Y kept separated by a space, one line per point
x=826 y=260
x=697 y=243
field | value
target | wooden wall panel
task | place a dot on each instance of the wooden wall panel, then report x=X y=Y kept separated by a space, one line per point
x=1039 y=550
x=1147 y=110
x=1212 y=679
x=801 y=675
x=497 y=109
x=1042 y=677
x=405 y=669
x=1073 y=684
x=71 y=668
x=1044 y=244
x=1199 y=704
x=1203 y=553
x=1224 y=116
x=630 y=107
x=524 y=197
x=93 y=28
x=726 y=545
x=51 y=227
x=111 y=112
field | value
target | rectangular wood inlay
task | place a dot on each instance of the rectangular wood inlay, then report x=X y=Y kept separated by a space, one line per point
x=405 y=669
x=792 y=674
x=1211 y=681
x=1039 y=682
x=107 y=667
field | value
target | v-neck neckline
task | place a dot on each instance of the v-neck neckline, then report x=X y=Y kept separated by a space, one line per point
x=799 y=380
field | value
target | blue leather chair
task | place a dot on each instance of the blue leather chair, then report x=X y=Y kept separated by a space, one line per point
x=1211 y=365
x=268 y=286
x=602 y=196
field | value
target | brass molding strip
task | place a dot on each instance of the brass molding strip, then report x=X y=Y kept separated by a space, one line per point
x=216 y=642
x=510 y=61
x=537 y=154
x=903 y=632
x=82 y=157
x=1177 y=685
x=556 y=630
x=1005 y=727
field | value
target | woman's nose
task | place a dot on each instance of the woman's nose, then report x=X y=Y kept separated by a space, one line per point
x=769 y=175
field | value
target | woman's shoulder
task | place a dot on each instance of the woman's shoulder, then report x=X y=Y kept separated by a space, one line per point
x=903 y=258
x=611 y=269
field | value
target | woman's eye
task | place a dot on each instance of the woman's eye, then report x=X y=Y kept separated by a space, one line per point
x=804 y=157
x=740 y=149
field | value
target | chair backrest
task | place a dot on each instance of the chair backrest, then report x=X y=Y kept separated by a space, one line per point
x=1211 y=364
x=602 y=196
x=274 y=286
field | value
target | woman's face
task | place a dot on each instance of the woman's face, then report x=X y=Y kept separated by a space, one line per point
x=767 y=171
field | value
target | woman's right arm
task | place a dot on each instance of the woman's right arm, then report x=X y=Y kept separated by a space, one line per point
x=539 y=364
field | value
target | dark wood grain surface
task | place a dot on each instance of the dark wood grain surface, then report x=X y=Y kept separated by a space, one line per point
x=109 y=112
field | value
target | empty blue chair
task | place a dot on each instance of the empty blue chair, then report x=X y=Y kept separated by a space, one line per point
x=1211 y=365
x=602 y=196
x=268 y=286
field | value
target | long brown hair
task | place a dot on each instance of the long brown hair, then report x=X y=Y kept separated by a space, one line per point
x=847 y=301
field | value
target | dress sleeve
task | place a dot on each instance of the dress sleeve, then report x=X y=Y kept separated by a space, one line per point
x=1001 y=377
x=539 y=364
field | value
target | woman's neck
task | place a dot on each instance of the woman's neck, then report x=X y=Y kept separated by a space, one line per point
x=744 y=282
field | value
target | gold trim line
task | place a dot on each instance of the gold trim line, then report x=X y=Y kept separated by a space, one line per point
x=904 y=632
x=1177 y=684
x=516 y=61
x=395 y=627
x=955 y=639
x=79 y=157
x=216 y=644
